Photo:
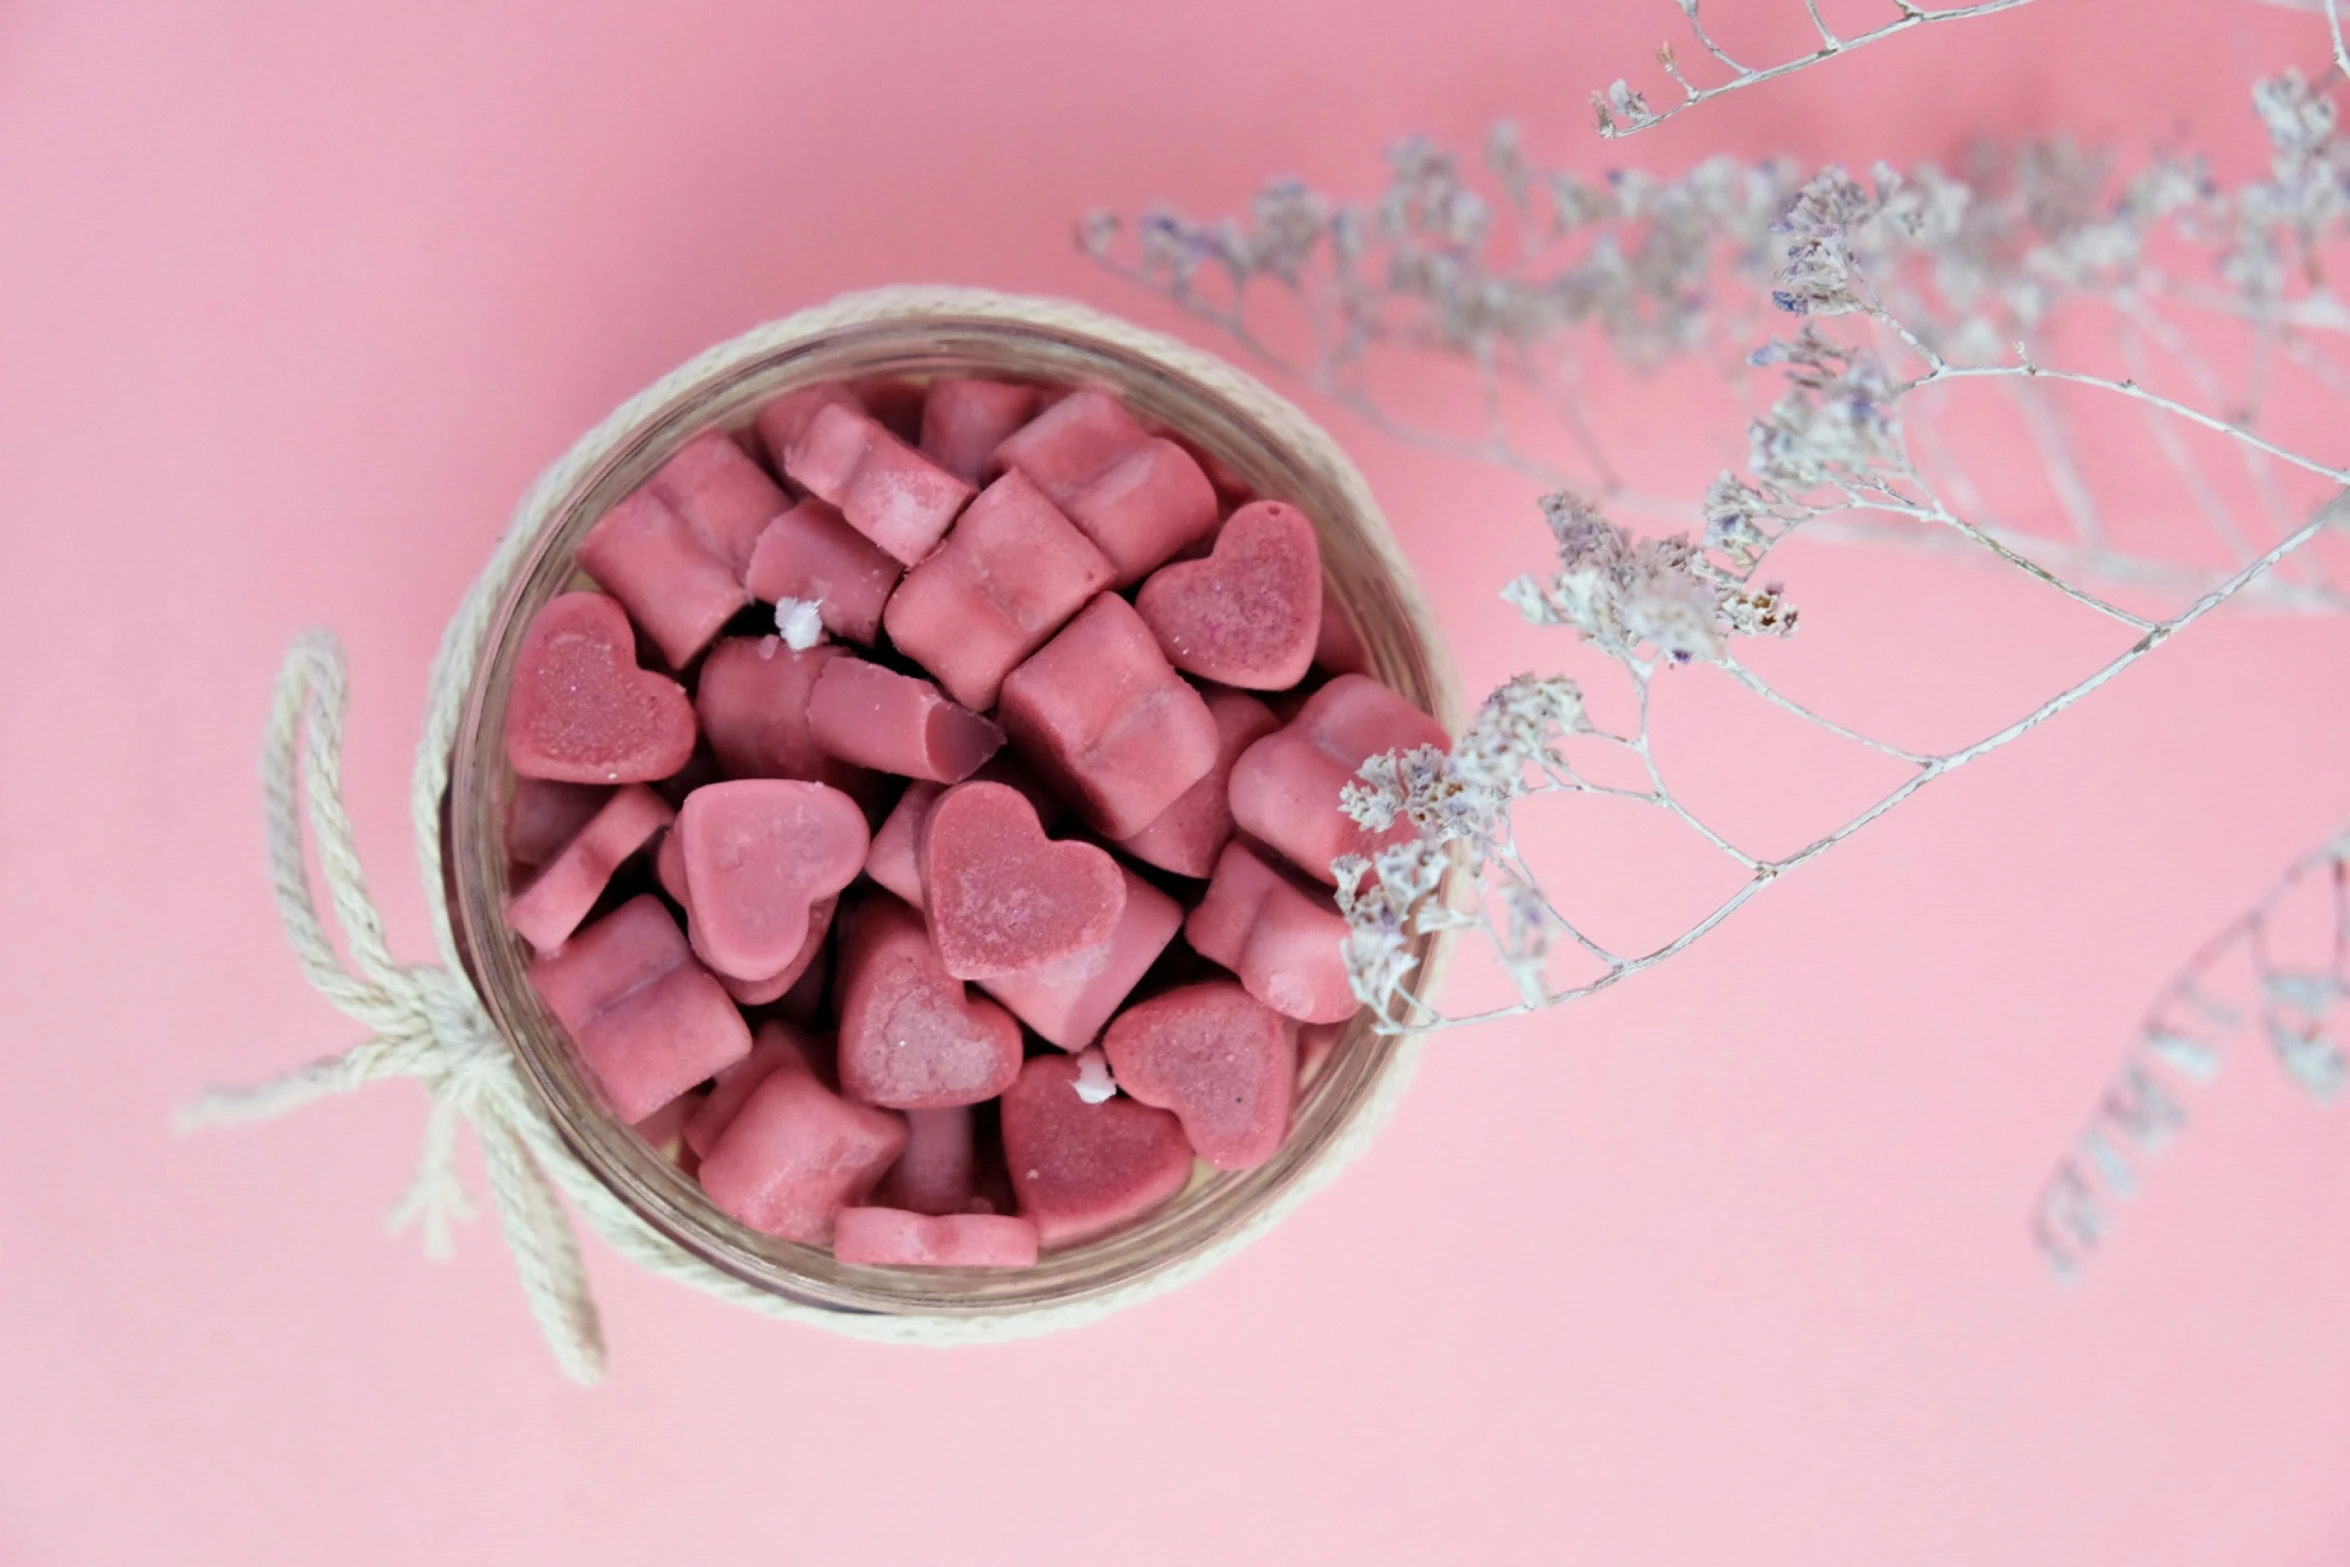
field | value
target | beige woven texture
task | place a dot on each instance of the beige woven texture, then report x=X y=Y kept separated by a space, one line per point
x=427 y=1022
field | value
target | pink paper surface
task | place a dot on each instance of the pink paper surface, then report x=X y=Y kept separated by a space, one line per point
x=1726 y=1266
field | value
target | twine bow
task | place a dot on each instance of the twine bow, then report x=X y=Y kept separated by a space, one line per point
x=425 y=1021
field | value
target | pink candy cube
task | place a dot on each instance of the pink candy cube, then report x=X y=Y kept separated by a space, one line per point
x=1223 y=1061
x=1009 y=575
x=778 y=1047
x=888 y=491
x=753 y=704
x=939 y=1171
x=1187 y=836
x=1081 y=1169
x=1068 y=1000
x=1146 y=510
x=878 y=718
x=964 y=421
x=784 y=418
x=892 y=1238
x=646 y=555
x=1286 y=942
x=911 y=1036
x=1285 y=787
x=559 y=897
x=1071 y=444
x=796 y=1154
x=1102 y=714
x=724 y=497
x=810 y=553
x=542 y=816
x=649 y=1022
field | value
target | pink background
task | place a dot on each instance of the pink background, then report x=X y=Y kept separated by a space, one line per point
x=1727 y=1266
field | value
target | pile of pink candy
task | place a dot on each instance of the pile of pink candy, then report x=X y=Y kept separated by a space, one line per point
x=852 y=920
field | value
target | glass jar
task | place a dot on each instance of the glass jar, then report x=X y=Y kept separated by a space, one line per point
x=1230 y=417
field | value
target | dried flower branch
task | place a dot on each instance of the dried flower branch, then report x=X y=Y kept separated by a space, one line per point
x=1623 y=111
x=2253 y=978
x=1934 y=282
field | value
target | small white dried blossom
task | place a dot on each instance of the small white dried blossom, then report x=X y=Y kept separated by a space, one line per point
x=1818 y=277
x=1389 y=900
x=1520 y=727
x=800 y=622
x=1623 y=593
x=1621 y=109
x=1838 y=420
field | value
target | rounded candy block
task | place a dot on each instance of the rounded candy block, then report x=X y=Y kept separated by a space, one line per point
x=1008 y=576
x=1081 y=1169
x=1102 y=715
x=648 y=1020
x=758 y=852
x=810 y=553
x=559 y=897
x=1222 y=1060
x=580 y=711
x=964 y=420
x=889 y=492
x=784 y=418
x=1069 y=999
x=724 y=497
x=1149 y=508
x=1286 y=942
x=1285 y=788
x=648 y=557
x=1187 y=836
x=892 y=1238
x=878 y=718
x=1249 y=614
x=939 y=1171
x=542 y=816
x=777 y=1047
x=911 y=1036
x=796 y=1154
x=753 y=703
x=1071 y=444
x=1001 y=896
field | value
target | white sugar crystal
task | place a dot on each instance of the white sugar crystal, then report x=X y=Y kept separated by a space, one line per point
x=1094 y=1083
x=801 y=623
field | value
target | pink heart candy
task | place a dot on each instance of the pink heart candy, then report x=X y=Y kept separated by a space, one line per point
x=1001 y=896
x=911 y=1037
x=581 y=711
x=757 y=853
x=1222 y=1060
x=1081 y=1169
x=1249 y=614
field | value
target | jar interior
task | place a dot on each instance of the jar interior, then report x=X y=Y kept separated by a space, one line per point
x=1360 y=572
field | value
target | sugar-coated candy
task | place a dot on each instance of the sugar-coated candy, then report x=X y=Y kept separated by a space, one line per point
x=911 y=1036
x=1001 y=896
x=646 y=555
x=964 y=420
x=810 y=553
x=1101 y=714
x=1069 y=999
x=796 y=1154
x=1250 y=612
x=894 y=1238
x=581 y=711
x=1148 y=508
x=1010 y=574
x=547 y=911
x=783 y=418
x=1287 y=942
x=889 y=492
x=1222 y=1060
x=649 y=1021
x=1285 y=788
x=758 y=852
x=1187 y=836
x=875 y=717
x=1080 y=1169
x=1071 y=444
